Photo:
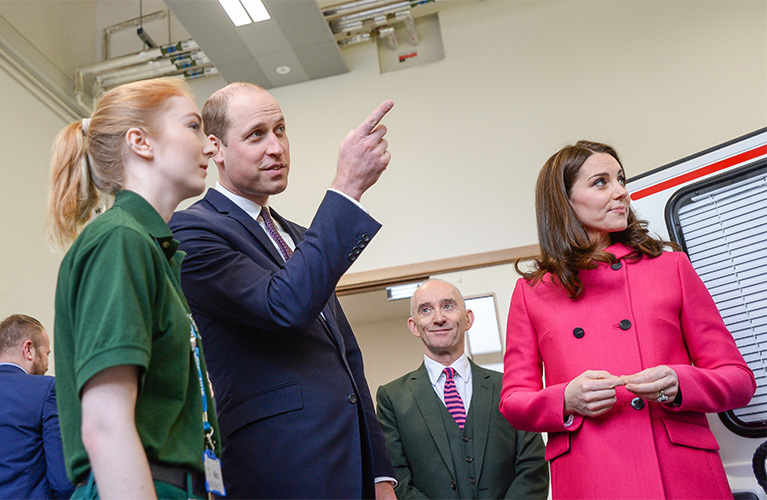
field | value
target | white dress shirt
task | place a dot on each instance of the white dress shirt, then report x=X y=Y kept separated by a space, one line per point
x=462 y=378
x=254 y=210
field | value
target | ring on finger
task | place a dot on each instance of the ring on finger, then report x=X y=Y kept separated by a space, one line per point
x=662 y=398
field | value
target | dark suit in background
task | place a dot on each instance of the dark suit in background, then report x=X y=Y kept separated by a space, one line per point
x=31 y=458
x=430 y=455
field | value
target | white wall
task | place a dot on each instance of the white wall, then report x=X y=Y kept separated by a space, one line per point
x=659 y=80
x=28 y=267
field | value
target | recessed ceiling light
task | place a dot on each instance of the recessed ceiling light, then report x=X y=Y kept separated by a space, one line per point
x=405 y=291
x=243 y=12
x=283 y=70
x=256 y=9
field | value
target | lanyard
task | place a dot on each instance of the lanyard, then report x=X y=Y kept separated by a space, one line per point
x=193 y=340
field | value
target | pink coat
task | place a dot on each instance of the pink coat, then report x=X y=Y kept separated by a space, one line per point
x=630 y=317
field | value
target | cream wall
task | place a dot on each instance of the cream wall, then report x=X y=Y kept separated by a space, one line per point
x=659 y=80
x=27 y=265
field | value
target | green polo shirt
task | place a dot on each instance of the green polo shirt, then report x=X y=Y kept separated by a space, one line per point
x=119 y=302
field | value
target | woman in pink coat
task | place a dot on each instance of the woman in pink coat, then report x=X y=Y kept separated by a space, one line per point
x=631 y=345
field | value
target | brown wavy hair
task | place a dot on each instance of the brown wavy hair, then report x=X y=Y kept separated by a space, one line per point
x=565 y=245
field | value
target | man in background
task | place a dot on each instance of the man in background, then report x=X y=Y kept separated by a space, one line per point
x=31 y=457
x=294 y=408
x=444 y=432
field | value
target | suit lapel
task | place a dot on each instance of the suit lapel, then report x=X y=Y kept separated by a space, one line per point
x=430 y=407
x=226 y=206
x=480 y=410
x=295 y=231
x=229 y=208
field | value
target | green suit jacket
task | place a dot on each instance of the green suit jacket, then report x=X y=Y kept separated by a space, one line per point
x=509 y=463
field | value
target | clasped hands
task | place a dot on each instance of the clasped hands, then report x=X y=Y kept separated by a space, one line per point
x=592 y=393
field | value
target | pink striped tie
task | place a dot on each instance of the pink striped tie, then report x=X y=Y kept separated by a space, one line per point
x=274 y=234
x=453 y=400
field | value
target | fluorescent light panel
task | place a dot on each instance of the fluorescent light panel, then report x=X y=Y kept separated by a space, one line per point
x=256 y=9
x=397 y=292
x=243 y=12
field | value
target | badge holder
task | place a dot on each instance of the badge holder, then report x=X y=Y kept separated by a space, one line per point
x=214 y=481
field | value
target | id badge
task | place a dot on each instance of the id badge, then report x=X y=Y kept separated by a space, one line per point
x=214 y=481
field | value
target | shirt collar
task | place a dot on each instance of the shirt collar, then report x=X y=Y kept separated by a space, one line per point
x=14 y=364
x=435 y=368
x=149 y=219
x=249 y=206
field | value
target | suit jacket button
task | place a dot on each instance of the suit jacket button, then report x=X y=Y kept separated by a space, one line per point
x=469 y=459
x=365 y=237
x=352 y=257
x=352 y=398
x=472 y=480
x=625 y=324
x=465 y=439
x=616 y=265
x=452 y=484
x=637 y=403
x=357 y=251
x=578 y=333
x=362 y=244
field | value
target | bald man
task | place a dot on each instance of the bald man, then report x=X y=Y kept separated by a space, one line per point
x=445 y=435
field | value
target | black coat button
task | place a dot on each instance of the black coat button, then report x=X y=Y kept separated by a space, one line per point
x=365 y=237
x=352 y=398
x=616 y=265
x=579 y=333
x=352 y=257
x=472 y=480
x=362 y=244
x=469 y=460
x=452 y=484
x=637 y=403
x=625 y=324
x=465 y=439
x=357 y=251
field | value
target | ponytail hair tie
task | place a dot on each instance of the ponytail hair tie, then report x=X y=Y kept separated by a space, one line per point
x=85 y=124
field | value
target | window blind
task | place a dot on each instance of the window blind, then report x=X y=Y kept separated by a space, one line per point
x=723 y=227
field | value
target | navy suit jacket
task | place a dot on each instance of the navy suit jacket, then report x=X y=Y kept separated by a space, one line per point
x=31 y=458
x=296 y=415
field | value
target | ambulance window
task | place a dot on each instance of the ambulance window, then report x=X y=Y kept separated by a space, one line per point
x=721 y=223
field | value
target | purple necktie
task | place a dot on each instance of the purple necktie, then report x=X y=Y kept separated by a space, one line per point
x=274 y=234
x=453 y=400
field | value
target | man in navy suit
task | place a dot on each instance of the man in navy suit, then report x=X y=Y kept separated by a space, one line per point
x=294 y=408
x=31 y=458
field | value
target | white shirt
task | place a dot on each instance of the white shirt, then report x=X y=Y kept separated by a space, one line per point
x=462 y=378
x=17 y=366
x=254 y=210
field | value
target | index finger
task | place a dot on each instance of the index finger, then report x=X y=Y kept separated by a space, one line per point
x=606 y=383
x=375 y=118
x=645 y=376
